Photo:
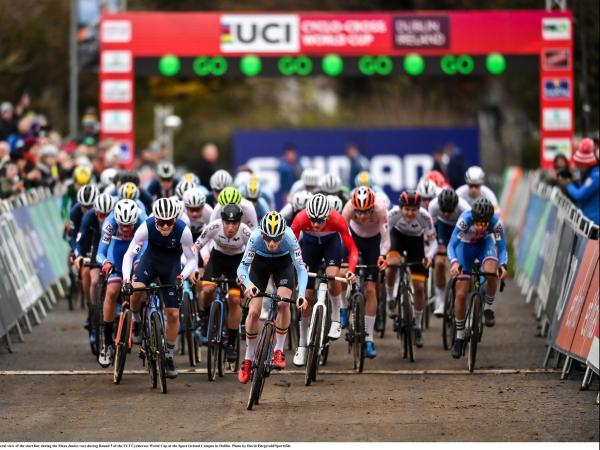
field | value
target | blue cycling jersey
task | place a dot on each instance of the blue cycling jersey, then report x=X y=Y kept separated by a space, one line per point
x=114 y=242
x=288 y=246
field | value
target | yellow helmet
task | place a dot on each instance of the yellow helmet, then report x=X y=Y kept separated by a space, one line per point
x=253 y=188
x=191 y=178
x=129 y=191
x=82 y=175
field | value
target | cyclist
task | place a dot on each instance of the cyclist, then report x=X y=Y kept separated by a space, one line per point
x=272 y=251
x=331 y=184
x=244 y=175
x=428 y=190
x=297 y=204
x=252 y=191
x=82 y=175
x=229 y=237
x=143 y=195
x=335 y=203
x=218 y=181
x=368 y=223
x=321 y=229
x=444 y=211
x=438 y=178
x=364 y=179
x=473 y=238
x=117 y=232
x=164 y=186
x=411 y=228
x=130 y=191
x=167 y=237
x=476 y=189
x=232 y=195
x=197 y=212
x=309 y=181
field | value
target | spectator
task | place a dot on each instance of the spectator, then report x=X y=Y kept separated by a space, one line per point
x=560 y=169
x=48 y=165
x=4 y=155
x=358 y=163
x=24 y=129
x=91 y=129
x=456 y=165
x=586 y=192
x=208 y=164
x=289 y=171
x=439 y=162
x=8 y=121
x=10 y=181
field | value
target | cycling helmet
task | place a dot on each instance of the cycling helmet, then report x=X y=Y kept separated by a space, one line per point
x=409 y=198
x=229 y=195
x=129 y=191
x=86 y=195
x=252 y=188
x=317 y=208
x=179 y=207
x=126 y=212
x=426 y=189
x=448 y=200
x=129 y=177
x=231 y=213
x=310 y=178
x=330 y=184
x=165 y=170
x=183 y=187
x=191 y=177
x=335 y=203
x=108 y=176
x=194 y=198
x=482 y=210
x=299 y=200
x=220 y=180
x=475 y=175
x=363 y=179
x=437 y=177
x=104 y=204
x=82 y=175
x=272 y=225
x=363 y=198
x=165 y=209
x=241 y=179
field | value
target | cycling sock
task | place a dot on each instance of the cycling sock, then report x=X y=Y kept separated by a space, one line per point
x=108 y=331
x=488 y=303
x=369 y=325
x=304 y=324
x=280 y=335
x=232 y=334
x=169 y=349
x=336 y=300
x=389 y=292
x=460 y=328
x=418 y=319
x=439 y=293
x=250 y=345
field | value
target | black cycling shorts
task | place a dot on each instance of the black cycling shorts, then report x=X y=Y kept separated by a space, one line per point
x=222 y=264
x=152 y=267
x=369 y=252
x=281 y=268
x=315 y=251
x=414 y=246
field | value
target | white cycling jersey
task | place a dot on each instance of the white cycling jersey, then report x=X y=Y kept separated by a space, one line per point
x=436 y=213
x=376 y=223
x=421 y=225
x=213 y=233
x=486 y=192
x=248 y=213
x=198 y=225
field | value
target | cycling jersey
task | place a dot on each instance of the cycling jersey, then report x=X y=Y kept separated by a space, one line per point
x=436 y=213
x=156 y=190
x=486 y=192
x=198 y=225
x=288 y=249
x=68 y=200
x=421 y=225
x=213 y=233
x=334 y=224
x=248 y=214
x=376 y=224
x=75 y=218
x=88 y=236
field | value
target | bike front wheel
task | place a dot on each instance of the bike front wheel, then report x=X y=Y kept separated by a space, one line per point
x=312 y=361
x=214 y=325
x=260 y=365
x=475 y=324
x=358 y=323
x=158 y=350
x=122 y=345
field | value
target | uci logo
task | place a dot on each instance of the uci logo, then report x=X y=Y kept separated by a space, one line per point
x=258 y=32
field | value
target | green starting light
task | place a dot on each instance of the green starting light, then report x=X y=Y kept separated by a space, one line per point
x=301 y=65
x=462 y=64
x=169 y=65
x=380 y=65
x=495 y=63
x=204 y=66
x=414 y=64
x=332 y=65
x=251 y=65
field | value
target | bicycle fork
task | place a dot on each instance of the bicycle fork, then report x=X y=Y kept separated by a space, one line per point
x=321 y=296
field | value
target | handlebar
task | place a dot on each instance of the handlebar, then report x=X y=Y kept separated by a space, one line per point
x=275 y=297
x=219 y=280
x=367 y=266
x=327 y=277
x=405 y=264
x=156 y=287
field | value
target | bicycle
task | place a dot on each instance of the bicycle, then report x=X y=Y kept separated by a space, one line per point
x=448 y=324
x=356 y=333
x=217 y=331
x=262 y=363
x=381 y=317
x=190 y=335
x=474 y=318
x=123 y=344
x=318 y=330
x=96 y=312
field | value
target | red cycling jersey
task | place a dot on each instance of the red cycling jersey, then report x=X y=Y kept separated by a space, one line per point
x=335 y=223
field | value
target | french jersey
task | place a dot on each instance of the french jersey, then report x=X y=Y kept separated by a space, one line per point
x=114 y=243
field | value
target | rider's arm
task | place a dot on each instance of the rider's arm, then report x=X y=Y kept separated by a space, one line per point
x=243 y=270
x=384 y=231
x=500 y=242
x=84 y=229
x=107 y=232
x=287 y=212
x=429 y=237
x=216 y=213
x=296 y=255
x=75 y=221
x=348 y=211
x=342 y=228
x=139 y=237
x=300 y=223
x=461 y=226
x=208 y=233
x=249 y=218
x=191 y=259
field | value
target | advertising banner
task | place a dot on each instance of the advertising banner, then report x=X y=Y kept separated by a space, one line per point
x=529 y=226
x=561 y=273
x=587 y=327
x=545 y=244
x=44 y=215
x=10 y=276
x=537 y=236
x=550 y=260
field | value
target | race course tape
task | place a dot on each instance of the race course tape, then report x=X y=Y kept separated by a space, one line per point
x=295 y=372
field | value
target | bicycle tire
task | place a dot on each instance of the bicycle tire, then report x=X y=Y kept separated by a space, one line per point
x=475 y=322
x=407 y=326
x=324 y=356
x=212 y=358
x=158 y=342
x=122 y=345
x=188 y=332
x=448 y=325
x=358 y=319
x=259 y=365
x=312 y=360
x=382 y=308
x=149 y=355
x=294 y=329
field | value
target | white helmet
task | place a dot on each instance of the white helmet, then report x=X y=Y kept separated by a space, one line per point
x=165 y=170
x=330 y=184
x=183 y=187
x=426 y=189
x=475 y=175
x=126 y=212
x=179 y=206
x=104 y=204
x=165 y=209
x=220 y=180
x=86 y=195
x=335 y=203
x=310 y=178
x=108 y=176
x=318 y=207
x=299 y=200
x=241 y=179
x=194 y=198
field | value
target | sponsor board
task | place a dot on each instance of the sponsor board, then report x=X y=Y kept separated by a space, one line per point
x=260 y=33
x=339 y=32
x=555 y=146
x=417 y=32
x=115 y=31
x=556 y=29
x=116 y=61
x=557 y=88
x=557 y=119
x=116 y=91
x=116 y=121
x=556 y=59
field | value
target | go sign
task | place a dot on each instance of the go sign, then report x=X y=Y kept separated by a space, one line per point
x=371 y=65
x=204 y=66
x=451 y=65
x=301 y=65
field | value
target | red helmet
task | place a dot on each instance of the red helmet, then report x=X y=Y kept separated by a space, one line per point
x=363 y=198
x=438 y=178
x=409 y=198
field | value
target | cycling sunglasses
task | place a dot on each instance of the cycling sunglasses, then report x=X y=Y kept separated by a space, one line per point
x=473 y=186
x=194 y=210
x=317 y=221
x=165 y=223
x=272 y=239
x=482 y=223
x=366 y=212
x=166 y=179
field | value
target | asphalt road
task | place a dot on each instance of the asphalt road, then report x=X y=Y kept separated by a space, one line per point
x=433 y=399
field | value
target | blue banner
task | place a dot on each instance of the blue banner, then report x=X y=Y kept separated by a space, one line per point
x=397 y=157
x=539 y=265
x=529 y=226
